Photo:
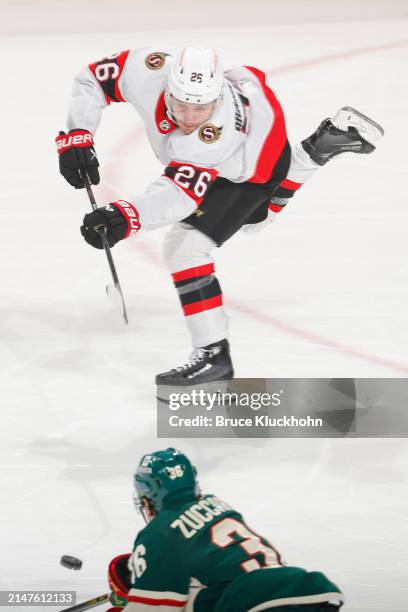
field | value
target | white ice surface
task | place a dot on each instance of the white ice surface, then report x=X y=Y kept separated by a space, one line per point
x=322 y=292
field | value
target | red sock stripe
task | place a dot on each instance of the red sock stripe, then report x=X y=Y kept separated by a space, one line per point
x=287 y=184
x=275 y=207
x=214 y=302
x=193 y=272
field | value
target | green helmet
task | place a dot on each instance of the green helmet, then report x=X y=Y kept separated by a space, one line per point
x=165 y=475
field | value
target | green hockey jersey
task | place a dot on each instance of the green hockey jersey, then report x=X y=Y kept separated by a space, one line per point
x=200 y=556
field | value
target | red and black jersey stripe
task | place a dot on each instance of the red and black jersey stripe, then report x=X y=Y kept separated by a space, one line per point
x=107 y=72
x=193 y=180
x=276 y=139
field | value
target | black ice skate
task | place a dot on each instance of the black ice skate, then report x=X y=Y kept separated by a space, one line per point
x=348 y=131
x=208 y=364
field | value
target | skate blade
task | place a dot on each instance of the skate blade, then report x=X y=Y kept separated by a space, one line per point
x=368 y=129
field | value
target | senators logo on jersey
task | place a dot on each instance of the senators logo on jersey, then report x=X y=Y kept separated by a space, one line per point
x=209 y=133
x=155 y=61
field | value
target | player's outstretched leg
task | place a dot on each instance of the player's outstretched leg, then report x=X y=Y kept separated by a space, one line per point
x=348 y=131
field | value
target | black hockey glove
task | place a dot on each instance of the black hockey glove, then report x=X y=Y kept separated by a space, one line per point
x=76 y=152
x=118 y=220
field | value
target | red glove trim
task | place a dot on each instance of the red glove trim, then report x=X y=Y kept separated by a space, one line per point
x=131 y=215
x=115 y=582
x=75 y=139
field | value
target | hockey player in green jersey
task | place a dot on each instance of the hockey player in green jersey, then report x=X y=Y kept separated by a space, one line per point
x=196 y=554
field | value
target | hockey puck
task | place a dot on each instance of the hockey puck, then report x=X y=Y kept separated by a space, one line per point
x=71 y=562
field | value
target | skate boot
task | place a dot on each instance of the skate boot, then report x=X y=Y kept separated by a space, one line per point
x=349 y=130
x=208 y=364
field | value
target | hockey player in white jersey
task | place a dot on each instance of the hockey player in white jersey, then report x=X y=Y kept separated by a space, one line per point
x=221 y=137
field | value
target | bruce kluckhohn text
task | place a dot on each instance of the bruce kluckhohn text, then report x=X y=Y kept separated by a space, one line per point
x=249 y=421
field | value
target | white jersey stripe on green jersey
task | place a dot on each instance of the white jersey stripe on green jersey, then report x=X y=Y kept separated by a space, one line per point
x=144 y=607
x=291 y=601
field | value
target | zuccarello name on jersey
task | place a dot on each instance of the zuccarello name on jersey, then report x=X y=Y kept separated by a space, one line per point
x=198 y=515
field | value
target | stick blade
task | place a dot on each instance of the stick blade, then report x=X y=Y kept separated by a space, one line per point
x=114 y=292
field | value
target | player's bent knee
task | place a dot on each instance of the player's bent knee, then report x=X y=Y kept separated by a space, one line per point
x=185 y=247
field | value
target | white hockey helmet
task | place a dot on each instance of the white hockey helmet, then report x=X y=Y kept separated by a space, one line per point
x=196 y=76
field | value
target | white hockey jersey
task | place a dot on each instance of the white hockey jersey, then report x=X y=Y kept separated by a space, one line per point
x=242 y=140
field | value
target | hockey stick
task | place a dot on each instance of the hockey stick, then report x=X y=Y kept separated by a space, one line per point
x=116 y=285
x=87 y=605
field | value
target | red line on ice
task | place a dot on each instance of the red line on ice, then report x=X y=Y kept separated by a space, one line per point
x=322 y=59
x=312 y=337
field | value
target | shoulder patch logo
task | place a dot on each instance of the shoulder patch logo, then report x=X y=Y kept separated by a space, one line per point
x=209 y=133
x=165 y=125
x=155 y=61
